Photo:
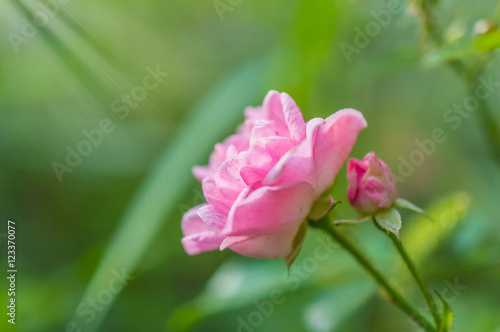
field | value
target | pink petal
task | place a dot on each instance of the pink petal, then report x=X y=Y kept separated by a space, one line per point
x=198 y=237
x=266 y=246
x=214 y=196
x=273 y=108
x=275 y=146
x=334 y=142
x=255 y=164
x=228 y=179
x=212 y=217
x=268 y=209
x=262 y=129
x=293 y=118
x=191 y=222
x=355 y=171
x=297 y=164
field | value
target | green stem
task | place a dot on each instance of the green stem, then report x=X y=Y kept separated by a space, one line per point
x=416 y=275
x=395 y=296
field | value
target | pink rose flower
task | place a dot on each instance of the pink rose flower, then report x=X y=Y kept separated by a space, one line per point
x=261 y=182
x=371 y=185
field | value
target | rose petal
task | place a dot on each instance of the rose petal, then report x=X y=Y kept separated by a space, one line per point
x=293 y=119
x=268 y=209
x=198 y=237
x=297 y=164
x=334 y=142
x=227 y=178
x=214 y=196
x=273 y=109
x=212 y=217
x=266 y=246
x=255 y=164
x=355 y=171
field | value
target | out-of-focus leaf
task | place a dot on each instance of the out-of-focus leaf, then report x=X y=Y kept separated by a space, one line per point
x=327 y=311
x=390 y=221
x=159 y=195
x=465 y=47
x=488 y=42
x=422 y=237
x=405 y=204
x=460 y=49
x=447 y=315
x=297 y=242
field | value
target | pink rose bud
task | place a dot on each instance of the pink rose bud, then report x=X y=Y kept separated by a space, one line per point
x=261 y=182
x=371 y=185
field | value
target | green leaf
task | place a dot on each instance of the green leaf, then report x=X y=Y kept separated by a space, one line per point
x=488 y=41
x=321 y=207
x=464 y=48
x=297 y=242
x=447 y=316
x=405 y=204
x=460 y=49
x=211 y=119
x=390 y=221
x=422 y=237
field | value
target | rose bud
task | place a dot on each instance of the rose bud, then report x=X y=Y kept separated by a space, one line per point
x=371 y=185
x=261 y=182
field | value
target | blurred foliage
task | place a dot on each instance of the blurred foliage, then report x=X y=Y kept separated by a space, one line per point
x=122 y=205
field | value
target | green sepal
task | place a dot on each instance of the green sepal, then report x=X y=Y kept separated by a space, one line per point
x=321 y=207
x=390 y=221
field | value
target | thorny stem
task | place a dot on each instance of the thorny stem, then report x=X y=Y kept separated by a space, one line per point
x=396 y=298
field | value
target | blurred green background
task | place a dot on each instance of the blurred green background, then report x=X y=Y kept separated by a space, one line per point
x=118 y=210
